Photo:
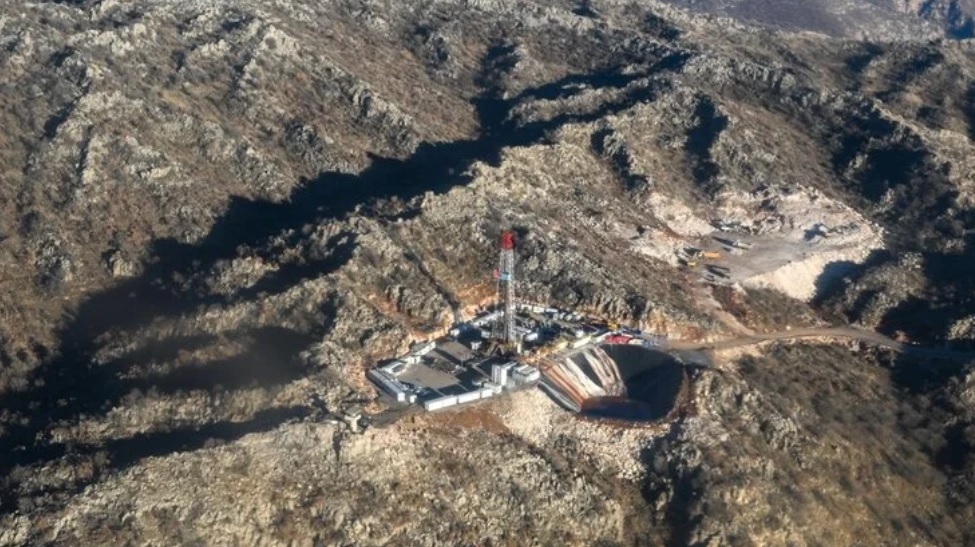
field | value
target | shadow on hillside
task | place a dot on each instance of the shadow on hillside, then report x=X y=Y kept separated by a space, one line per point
x=950 y=298
x=72 y=386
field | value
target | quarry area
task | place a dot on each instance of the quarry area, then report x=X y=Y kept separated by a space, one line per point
x=789 y=239
x=499 y=273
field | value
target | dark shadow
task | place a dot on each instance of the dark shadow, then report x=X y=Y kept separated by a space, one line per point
x=339 y=251
x=825 y=294
x=619 y=160
x=160 y=351
x=918 y=375
x=585 y=9
x=709 y=126
x=882 y=163
x=969 y=111
x=660 y=28
x=951 y=444
x=259 y=363
x=126 y=452
x=862 y=58
x=681 y=515
x=832 y=275
x=668 y=481
x=949 y=297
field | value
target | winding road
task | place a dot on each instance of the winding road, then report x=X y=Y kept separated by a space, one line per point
x=870 y=337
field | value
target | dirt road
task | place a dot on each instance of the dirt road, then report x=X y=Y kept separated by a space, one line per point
x=870 y=337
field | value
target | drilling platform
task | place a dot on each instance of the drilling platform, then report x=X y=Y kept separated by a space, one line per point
x=500 y=350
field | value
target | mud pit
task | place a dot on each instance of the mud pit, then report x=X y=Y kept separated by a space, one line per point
x=618 y=382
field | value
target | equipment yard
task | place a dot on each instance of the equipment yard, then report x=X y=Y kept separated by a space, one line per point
x=470 y=365
x=496 y=351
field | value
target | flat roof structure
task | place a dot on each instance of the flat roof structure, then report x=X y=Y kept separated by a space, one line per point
x=423 y=375
x=455 y=352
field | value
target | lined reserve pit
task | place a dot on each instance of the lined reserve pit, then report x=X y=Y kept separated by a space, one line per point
x=619 y=382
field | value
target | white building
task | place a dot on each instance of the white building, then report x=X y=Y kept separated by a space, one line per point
x=526 y=373
x=499 y=373
x=390 y=385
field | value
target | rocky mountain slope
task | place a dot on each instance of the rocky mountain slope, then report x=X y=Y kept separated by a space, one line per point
x=861 y=19
x=216 y=216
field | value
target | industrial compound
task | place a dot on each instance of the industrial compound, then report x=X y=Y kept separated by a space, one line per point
x=499 y=350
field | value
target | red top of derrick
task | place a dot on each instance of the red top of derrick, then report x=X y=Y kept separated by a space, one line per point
x=507 y=240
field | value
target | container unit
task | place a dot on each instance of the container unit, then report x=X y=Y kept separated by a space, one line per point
x=387 y=384
x=485 y=319
x=395 y=367
x=468 y=397
x=499 y=373
x=487 y=392
x=526 y=373
x=442 y=402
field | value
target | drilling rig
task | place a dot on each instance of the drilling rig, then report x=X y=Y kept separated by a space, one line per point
x=505 y=327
